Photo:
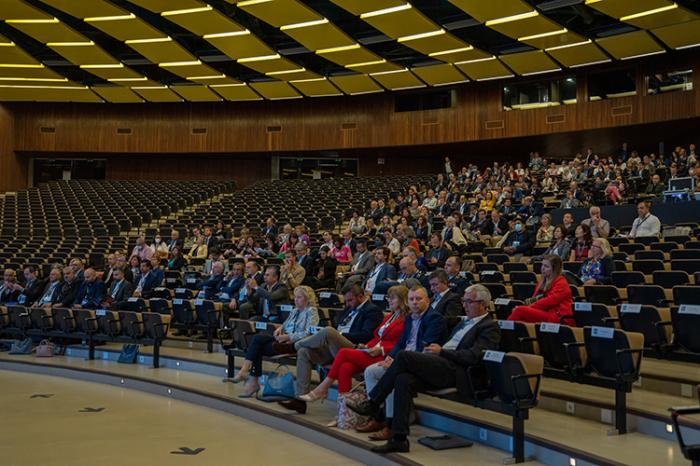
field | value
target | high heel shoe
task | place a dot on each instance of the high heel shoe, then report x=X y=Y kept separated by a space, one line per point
x=313 y=396
x=250 y=393
x=240 y=377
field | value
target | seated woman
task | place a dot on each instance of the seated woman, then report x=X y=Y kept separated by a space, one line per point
x=324 y=270
x=545 y=233
x=350 y=361
x=295 y=327
x=341 y=251
x=176 y=261
x=199 y=249
x=159 y=248
x=560 y=245
x=552 y=299
x=582 y=243
x=9 y=291
x=598 y=269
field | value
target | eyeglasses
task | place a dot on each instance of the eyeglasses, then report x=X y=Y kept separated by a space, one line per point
x=470 y=301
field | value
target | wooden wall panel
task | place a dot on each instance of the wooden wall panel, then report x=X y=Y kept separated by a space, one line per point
x=244 y=170
x=13 y=170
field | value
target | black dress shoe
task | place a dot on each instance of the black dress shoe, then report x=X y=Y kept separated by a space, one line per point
x=365 y=407
x=295 y=405
x=392 y=446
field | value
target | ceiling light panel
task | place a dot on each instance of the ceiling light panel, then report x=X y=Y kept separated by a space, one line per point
x=87 y=9
x=59 y=93
x=535 y=61
x=666 y=17
x=196 y=93
x=275 y=90
x=320 y=36
x=620 y=8
x=358 y=7
x=235 y=92
x=436 y=75
x=279 y=13
x=536 y=25
x=126 y=28
x=16 y=9
x=557 y=39
x=677 y=35
x=484 y=69
x=492 y=9
x=157 y=94
x=576 y=55
x=356 y=84
x=632 y=44
x=160 y=6
x=316 y=87
x=50 y=32
x=241 y=46
x=397 y=80
x=401 y=23
x=15 y=54
x=84 y=55
x=117 y=94
x=163 y=52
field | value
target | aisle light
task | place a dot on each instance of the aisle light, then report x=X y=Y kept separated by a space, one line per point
x=115 y=65
x=650 y=12
x=180 y=63
x=305 y=24
x=566 y=46
x=386 y=11
x=543 y=34
x=70 y=44
x=217 y=35
x=187 y=11
x=366 y=63
x=421 y=36
x=32 y=21
x=277 y=73
x=148 y=41
x=97 y=19
x=447 y=52
x=259 y=58
x=342 y=48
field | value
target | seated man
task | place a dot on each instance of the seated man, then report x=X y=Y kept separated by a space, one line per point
x=409 y=272
x=291 y=274
x=382 y=271
x=422 y=327
x=495 y=228
x=444 y=301
x=119 y=291
x=70 y=287
x=33 y=287
x=263 y=298
x=646 y=224
x=437 y=254
x=211 y=286
x=655 y=187
x=252 y=271
x=362 y=262
x=600 y=228
x=304 y=260
x=520 y=241
x=435 y=368
x=8 y=288
x=356 y=325
x=91 y=291
x=141 y=250
x=148 y=282
x=457 y=283
x=232 y=284
x=52 y=291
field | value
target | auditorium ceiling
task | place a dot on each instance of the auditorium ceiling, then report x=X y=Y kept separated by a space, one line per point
x=200 y=51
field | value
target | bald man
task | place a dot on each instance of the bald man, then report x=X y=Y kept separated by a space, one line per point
x=91 y=291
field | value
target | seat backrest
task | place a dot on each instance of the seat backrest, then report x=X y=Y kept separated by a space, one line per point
x=646 y=294
x=686 y=294
x=622 y=279
x=603 y=345
x=603 y=294
x=643 y=319
x=586 y=314
x=502 y=369
x=686 y=327
x=491 y=276
x=551 y=339
x=513 y=334
x=647 y=266
x=670 y=278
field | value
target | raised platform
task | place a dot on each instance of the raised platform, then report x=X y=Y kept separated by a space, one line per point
x=552 y=437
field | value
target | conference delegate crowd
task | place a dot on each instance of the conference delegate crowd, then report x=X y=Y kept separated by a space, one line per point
x=436 y=324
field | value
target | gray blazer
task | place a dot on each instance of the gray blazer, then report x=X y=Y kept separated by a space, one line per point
x=364 y=262
x=299 y=322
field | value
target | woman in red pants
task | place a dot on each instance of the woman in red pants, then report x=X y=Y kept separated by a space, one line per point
x=351 y=361
x=552 y=299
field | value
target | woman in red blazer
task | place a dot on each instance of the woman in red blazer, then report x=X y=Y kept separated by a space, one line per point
x=351 y=361
x=552 y=299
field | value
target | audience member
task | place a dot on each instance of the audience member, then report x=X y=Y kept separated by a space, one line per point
x=598 y=268
x=552 y=299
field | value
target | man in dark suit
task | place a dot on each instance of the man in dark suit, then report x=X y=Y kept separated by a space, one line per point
x=304 y=260
x=437 y=254
x=33 y=287
x=175 y=241
x=148 y=282
x=270 y=227
x=9 y=292
x=409 y=276
x=457 y=283
x=119 y=291
x=496 y=227
x=71 y=286
x=263 y=298
x=438 y=366
x=51 y=294
x=232 y=284
x=211 y=286
x=210 y=240
x=109 y=268
x=362 y=262
x=444 y=301
x=356 y=325
x=423 y=327
x=91 y=291
x=382 y=271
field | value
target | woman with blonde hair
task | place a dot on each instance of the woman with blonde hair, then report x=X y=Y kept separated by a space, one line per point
x=351 y=361
x=295 y=327
x=545 y=233
x=199 y=249
x=598 y=268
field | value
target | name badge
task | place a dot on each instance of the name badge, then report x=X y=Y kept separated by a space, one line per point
x=191 y=280
x=488 y=272
x=286 y=307
x=494 y=356
x=177 y=301
x=132 y=299
x=198 y=302
x=507 y=324
x=101 y=312
x=585 y=307
x=502 y=301
x=314 y=330
x=22 y=299
x=378 y=297
x=630 y=308
x=260 y=325
x=180 y=290
x=689 y=309
x=548 y=327
x=602 y=332
x=160 y=288
x=462 y=273
x=324 y=294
